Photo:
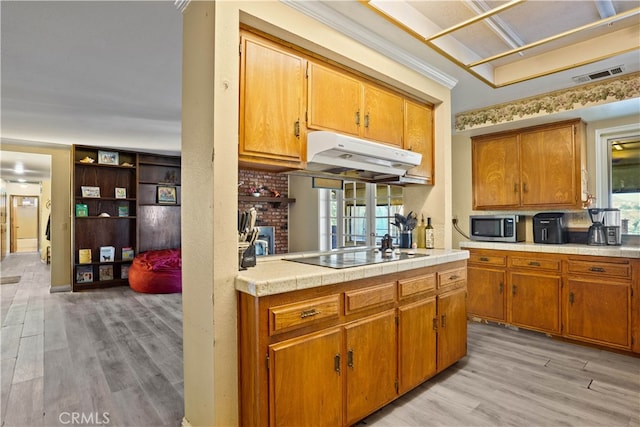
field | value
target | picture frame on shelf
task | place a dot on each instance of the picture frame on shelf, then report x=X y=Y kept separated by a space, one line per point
x=108 y=157
x=121 y=193
x=127 y=253
x=167 y=195
x=107 y=254
x=84 y=274
x=124 y=271
x=123 y=210
x=84 y=256
x=106 y=272
x=90 y=192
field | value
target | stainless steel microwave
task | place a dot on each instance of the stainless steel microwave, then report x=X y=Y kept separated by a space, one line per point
x=497 y=228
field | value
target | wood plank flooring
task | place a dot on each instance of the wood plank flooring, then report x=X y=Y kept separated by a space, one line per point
x=119 y=353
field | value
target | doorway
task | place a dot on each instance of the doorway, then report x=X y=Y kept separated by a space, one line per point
x=24 y=224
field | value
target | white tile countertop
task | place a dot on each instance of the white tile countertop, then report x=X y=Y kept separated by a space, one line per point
x=274 y=274
x=568 y=248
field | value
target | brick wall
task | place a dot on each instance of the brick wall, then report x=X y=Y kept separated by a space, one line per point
x=269 y=214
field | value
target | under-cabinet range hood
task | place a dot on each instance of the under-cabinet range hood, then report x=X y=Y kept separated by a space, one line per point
x=333 y=153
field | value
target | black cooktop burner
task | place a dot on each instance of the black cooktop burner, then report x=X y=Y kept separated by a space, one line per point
x=353 y=258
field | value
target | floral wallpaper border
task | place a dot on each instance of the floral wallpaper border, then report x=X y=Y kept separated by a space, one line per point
x=612 y=90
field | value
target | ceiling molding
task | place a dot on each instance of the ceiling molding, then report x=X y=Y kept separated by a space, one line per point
x=608 y=91
x=352 y=29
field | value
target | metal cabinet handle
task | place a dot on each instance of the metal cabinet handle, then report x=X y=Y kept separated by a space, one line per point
x=350 y=358
x=366 y=121
x=484 y=258
x=534 y=263
x=336 y=363
x=296 y=128
x=454 y=277
x=524 y=188
x=571 y=297
x=309 y=313
x=513 y=290
x=444 y=320
x=358 y=118
x=515 y=187
x=597 y=269
x=501 y=287
x=435 y=323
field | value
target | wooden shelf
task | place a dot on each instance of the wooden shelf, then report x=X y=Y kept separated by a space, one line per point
x=274 y=201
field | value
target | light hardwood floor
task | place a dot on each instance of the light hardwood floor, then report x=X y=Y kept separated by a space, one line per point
x=118 y=352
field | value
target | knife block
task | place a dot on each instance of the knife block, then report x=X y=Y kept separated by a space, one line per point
x=246 y=256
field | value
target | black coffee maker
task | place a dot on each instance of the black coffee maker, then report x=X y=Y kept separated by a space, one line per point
x=597 y=235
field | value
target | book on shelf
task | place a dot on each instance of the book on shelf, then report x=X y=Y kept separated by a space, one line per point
x=106 y=272
x=124 y=271
x=127 y=253
x=84 y=274
x=123 y=210
x=82 y=209
x=84 y=256
x=107 y=254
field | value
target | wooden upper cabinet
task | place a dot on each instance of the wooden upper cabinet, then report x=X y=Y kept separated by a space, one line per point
x=340 y=102
x=538 y=167
x=496 y=172
x=334 y=100
x=383 y=116
x=272 y=83
x=418 y=137
x=550 y=167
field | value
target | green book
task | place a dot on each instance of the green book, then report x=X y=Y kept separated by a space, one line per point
x=82 y=209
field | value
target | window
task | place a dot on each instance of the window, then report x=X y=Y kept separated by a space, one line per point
x=360 y=215
x=618 y=174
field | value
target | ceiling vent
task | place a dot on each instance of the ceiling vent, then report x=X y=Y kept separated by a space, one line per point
x=585 y=78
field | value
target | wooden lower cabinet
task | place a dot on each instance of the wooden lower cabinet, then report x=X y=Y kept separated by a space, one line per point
x=598 y=312
x=356 y=347
x=586 y=298
x=452 y=327
x=486 y=289
x=417 y=336
x=534 y=301
x=312 y=364
x=371 y=365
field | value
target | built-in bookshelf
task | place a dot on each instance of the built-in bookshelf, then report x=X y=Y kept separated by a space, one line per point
x=125 y=202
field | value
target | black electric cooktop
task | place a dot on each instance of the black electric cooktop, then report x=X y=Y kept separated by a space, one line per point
x=353 y=258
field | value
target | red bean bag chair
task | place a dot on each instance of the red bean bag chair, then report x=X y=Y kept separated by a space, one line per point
x=157 y=272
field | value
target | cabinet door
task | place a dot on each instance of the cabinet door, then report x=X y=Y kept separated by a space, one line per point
x=550 y=167
x=417 y=343
x=452 y=327
x=334 y=100
x=418 y=137
x=383 y=116
x=486 y=293
x=271 y=104
x=371 y=364
x=535 y=301
x=496 y=175
x=305 y=383
x=598 y=311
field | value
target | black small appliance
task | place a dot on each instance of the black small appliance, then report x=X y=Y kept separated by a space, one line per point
x=549 y=227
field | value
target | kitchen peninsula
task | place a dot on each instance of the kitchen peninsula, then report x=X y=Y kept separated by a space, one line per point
x=328 y=346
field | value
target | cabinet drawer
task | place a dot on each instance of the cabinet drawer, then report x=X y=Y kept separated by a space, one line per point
x=304 y=313
x=536 y=263
x=451 y=277
x=418 y=285
x=603 y=269
x=370 y=297
x=498 y=260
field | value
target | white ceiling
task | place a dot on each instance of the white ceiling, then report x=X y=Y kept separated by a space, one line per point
x=109 y=73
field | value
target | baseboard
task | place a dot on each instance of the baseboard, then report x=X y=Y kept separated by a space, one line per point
x=56 y=289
